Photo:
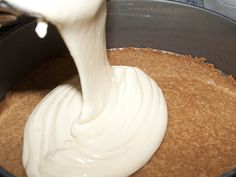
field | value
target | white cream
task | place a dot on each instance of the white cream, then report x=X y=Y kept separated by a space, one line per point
x=114 y=126
x=41 y=29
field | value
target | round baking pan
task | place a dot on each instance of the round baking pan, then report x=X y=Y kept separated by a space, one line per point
x=162 y=25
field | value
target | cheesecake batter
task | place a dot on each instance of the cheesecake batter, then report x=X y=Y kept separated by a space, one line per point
x=108 y=127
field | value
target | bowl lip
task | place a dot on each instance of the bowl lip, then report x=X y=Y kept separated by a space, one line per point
x=22 y=21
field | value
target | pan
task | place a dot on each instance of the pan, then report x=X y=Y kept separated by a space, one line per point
x=163 y=25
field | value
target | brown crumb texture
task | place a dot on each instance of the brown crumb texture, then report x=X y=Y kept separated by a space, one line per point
x=201 y=134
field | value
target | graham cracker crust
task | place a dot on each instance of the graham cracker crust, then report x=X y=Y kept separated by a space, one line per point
x=201 y=135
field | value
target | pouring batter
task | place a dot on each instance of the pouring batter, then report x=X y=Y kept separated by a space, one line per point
x=109 y=129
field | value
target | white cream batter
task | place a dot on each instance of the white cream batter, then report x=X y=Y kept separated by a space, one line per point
x=114 y=126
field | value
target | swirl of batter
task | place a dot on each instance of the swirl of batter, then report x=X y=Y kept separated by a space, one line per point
x=106 y=122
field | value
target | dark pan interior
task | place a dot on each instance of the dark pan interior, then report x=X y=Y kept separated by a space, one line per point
x=163 y=25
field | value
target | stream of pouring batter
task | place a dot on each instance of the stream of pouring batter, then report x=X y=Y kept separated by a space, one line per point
x=87 y=45
x=114 y=126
